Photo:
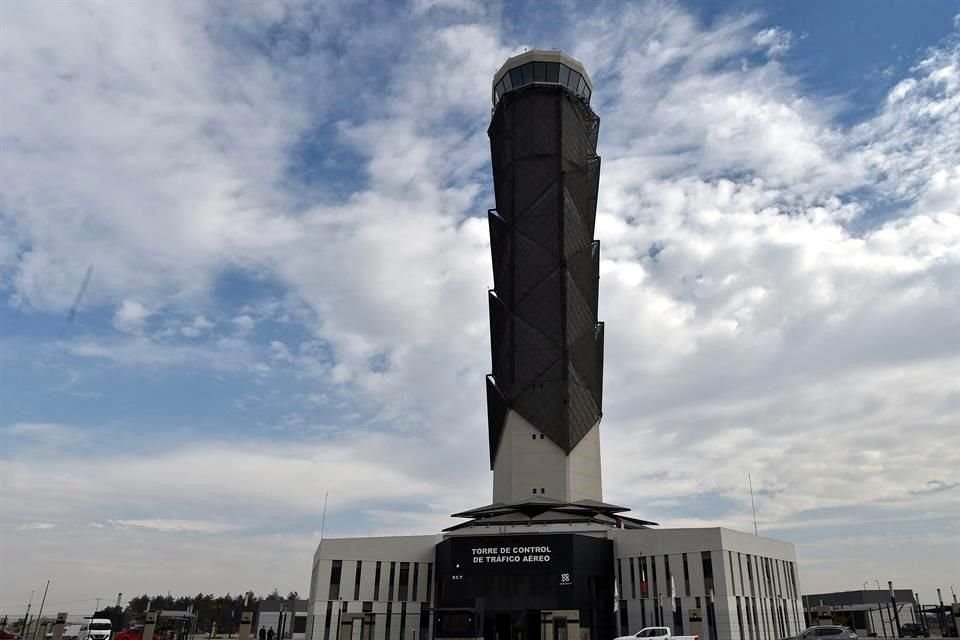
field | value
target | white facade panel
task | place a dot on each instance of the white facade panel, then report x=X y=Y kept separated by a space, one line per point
x=380 y=627
x=367 y=573
x=529 y=464
x=695 y=569
x=420 y=593
x=726 y=613
x=394 y=625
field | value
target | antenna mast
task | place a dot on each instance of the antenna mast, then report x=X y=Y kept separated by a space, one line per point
x=323 y=520
x=753 y=505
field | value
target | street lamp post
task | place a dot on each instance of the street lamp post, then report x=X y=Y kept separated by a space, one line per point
x=923 y=618
x=896 y=614
x=940 y=613
x=883 y=624
x=26 y=616
x=42 y=602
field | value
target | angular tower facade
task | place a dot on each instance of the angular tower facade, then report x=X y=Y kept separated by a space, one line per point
x=548 y=558
x=544 y=395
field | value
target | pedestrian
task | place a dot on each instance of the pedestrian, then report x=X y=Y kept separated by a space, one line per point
x=270 y=634
x=263 y=633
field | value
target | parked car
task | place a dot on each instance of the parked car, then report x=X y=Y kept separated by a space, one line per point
x=657 y=633
x=828 y=632
x=914 y=630
x=135 y=633
x=7 y=635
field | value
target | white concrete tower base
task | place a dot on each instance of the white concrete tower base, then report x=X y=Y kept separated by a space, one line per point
x=528 y=465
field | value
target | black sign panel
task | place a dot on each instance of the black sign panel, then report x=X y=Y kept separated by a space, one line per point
x=511 y=555
x=525 y=572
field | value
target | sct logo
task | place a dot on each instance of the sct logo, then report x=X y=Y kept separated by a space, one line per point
x=564 y=578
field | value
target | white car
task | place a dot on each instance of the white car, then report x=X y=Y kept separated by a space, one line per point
x=657 y=633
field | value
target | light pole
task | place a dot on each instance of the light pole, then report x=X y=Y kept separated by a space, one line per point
x=26 y=616
x=940 y=613
x=896 y=614
x=923 y=616
x=883 y=625
x=42 y=602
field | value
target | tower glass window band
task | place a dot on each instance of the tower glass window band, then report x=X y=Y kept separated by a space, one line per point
x=542 y=73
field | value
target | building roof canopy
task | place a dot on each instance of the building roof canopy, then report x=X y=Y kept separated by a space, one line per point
x=543 y=510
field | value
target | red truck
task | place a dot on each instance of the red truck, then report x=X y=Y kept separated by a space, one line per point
x=135 y=633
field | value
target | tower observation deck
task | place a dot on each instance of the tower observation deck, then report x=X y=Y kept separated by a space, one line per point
x=544 y=395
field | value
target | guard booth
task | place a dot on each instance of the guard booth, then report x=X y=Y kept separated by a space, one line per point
x=246 y=622
x=824 y=615
x=149 y=625
x=59 y=625
x=180 y=625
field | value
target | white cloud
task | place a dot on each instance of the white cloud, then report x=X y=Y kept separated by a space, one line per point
x=36 y=526
x=178 y=526
x=283 y=480
x=168 y=151
x=42 y=434
x=913 y=145
x=774 y=40
x=467 y=6
x=196 y=328
x=244 y=323
x=279 y=351
x=227 y=354
x=130 y=317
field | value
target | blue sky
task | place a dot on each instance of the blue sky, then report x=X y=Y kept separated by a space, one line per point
x=283 y=204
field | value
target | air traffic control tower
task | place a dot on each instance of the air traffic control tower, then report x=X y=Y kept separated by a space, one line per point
x=544 y=396
x=548 y=559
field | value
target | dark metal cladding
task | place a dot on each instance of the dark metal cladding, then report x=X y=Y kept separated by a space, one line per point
x=496 y=412
x=545 y=339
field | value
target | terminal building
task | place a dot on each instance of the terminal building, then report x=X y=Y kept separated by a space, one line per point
x=548 y=559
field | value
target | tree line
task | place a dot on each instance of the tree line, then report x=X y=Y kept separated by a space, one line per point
x=210 y=609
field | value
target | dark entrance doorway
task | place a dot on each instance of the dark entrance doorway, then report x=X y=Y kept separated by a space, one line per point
x=560 y=628
x=529 y=587
x=511 y=625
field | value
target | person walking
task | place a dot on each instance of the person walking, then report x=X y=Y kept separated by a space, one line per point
x=263 y=633
x=270 y=634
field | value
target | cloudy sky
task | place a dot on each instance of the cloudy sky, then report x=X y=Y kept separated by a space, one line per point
x=278 y=209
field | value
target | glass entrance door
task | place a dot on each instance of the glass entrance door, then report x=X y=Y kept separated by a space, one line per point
x=559 y=628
